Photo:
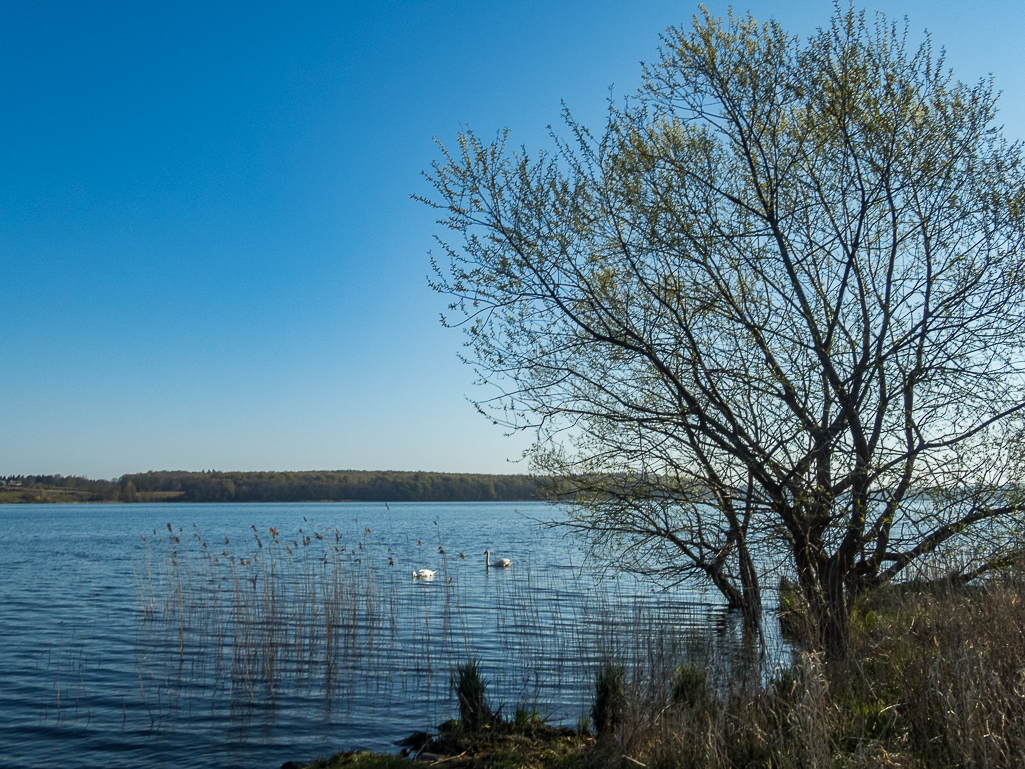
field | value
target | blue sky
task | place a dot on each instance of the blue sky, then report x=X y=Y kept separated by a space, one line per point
x=208 y=251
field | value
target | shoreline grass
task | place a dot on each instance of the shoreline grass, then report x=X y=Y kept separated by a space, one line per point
x=936 y=678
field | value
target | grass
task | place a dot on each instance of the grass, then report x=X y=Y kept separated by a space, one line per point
x=939 y=674
x=480 y=737
x=470 y=686
x=609 y=698
x=49 y=494
x=54 y=495
x=688 y=686
x=936 y=676
x=502 y=746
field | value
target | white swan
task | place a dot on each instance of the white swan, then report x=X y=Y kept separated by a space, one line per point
x=424 y=574
x=499 y=562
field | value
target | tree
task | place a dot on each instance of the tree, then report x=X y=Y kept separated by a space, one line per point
x=771 y=318
x=128 y=492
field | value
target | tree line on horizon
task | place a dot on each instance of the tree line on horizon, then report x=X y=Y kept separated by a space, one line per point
x=303 y=486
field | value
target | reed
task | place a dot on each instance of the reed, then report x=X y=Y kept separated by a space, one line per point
x=332 y=615
x=330 y=618
x=935 y=677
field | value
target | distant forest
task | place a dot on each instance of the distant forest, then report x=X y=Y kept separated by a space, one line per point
x=333 y=486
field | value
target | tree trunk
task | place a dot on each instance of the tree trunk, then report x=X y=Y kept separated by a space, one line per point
x=834 y=620
x=752 y=595
x=746 y=600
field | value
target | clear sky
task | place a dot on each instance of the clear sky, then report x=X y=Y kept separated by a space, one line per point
x=208 y=252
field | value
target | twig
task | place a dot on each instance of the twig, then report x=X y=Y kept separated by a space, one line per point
x=448 y=758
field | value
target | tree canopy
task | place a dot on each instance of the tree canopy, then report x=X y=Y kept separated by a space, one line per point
x=770 y=320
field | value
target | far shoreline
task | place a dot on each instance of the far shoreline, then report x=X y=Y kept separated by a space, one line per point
x=184 y=487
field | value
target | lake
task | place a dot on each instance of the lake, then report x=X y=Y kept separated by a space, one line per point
x=226 y=635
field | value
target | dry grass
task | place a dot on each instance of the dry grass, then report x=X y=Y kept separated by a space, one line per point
x=942 y=672
x=936 y=679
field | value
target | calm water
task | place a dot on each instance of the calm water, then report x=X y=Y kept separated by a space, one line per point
x=223 y=635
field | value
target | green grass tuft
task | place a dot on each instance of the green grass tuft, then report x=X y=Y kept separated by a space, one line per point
x=609 y=697
x=470 y=686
